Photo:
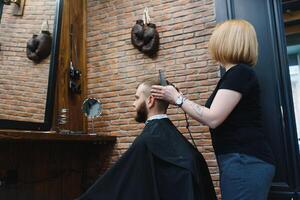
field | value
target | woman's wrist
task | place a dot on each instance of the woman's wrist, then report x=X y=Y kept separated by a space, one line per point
x=180 y=100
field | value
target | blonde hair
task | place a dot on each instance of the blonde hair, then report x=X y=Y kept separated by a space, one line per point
x=233 y=42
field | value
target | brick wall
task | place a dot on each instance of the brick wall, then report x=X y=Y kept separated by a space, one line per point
x=115 y=67
x=23 y=84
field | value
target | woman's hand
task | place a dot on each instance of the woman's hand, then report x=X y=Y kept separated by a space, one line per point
x=166 y=93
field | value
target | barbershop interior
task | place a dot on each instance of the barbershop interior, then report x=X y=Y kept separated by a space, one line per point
x=71 y=72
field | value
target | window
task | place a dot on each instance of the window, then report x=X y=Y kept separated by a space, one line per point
x=291 y=13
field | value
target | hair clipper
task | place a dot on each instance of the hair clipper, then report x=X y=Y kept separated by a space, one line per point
x=162 y=78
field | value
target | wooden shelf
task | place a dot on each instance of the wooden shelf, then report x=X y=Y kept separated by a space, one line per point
x=53 y=136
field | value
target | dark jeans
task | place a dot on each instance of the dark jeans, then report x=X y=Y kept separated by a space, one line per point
x=244 y=177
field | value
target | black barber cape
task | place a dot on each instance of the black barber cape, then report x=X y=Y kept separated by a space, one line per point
x=160 y=165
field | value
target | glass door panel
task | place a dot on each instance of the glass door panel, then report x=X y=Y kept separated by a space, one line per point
x=291 y=13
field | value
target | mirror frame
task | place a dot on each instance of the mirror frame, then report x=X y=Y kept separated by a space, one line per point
x=82 y=107
x=48 y=117
x=1 y=8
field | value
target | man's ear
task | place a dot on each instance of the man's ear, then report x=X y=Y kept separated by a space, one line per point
x=151 y=101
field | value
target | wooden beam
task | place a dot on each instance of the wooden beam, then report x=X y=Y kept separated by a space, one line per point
x=290 y=30
x=19 y=8
x=291 y=16
x=74 y=13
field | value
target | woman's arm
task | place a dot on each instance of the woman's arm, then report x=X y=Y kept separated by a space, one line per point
x=222 y=105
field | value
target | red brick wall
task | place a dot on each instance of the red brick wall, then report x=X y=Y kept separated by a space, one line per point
x=23 y=84
x=115 y=67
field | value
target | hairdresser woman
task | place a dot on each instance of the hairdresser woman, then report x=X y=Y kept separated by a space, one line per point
x=233 y=114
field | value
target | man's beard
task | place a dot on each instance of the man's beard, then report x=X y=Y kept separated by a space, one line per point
x=141 y=113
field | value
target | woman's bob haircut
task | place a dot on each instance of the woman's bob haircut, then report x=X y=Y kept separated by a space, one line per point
x=234 y=42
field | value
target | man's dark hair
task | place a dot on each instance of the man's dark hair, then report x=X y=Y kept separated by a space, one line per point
x=148 y=82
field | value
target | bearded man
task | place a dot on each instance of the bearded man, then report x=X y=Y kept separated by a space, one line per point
x=160 y=164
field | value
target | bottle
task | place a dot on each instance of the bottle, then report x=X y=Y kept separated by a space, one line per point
x=62 y=121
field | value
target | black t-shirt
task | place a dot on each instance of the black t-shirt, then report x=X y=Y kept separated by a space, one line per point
x=241 y=132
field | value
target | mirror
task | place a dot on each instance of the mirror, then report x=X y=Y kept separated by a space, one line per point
x=27 y=88
x=92 y=108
